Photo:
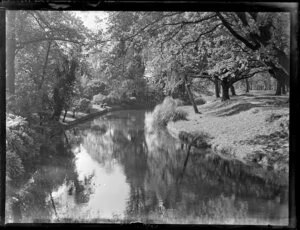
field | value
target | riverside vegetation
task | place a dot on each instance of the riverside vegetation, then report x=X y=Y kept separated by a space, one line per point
x=214 y=80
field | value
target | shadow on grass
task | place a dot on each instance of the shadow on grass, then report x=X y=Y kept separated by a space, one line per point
x=235 y=109
x=246 y=102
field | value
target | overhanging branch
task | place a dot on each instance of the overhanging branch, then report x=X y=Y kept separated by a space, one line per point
x=200 y=35
x=191 y=22
x=150 y=24
x=236 y=35
x=41 y=39
x=246 y=76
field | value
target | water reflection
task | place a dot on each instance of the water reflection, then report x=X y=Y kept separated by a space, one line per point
x=124 y=170
x=32 y=201
x=107 y=191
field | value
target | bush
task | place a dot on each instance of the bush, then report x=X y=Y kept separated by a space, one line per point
x=272 y=117
x=167 y=111
x=98 y=99
x=14 y=165
x=25 y=103
x=22 y=144
x=200 y=101
x=95 y=87
x=112 y=99
x=179 y=102
x=85 y=105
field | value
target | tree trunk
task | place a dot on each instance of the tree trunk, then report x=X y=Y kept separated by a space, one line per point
x=10 y=50
x=278 y=87
x=265 y=85
x=281 y=75
x=56 y=113
x=41 y=119
x=247 y=85
x=225 y=89
x=73 y=113
x=45 y=65
x=232 y=90
x=65 y=114
x=58 y=104
x=225 y=94
x=287 y=84
x=2 y=60
x=66 y=138
x=283 y=89
x=269 y=83
x=190 y=95
x=217 y=87
x=2 y=96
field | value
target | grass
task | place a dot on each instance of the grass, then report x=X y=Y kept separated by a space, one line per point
x=243 y=128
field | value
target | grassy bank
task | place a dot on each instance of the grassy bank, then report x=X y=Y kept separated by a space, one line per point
x=251 y=127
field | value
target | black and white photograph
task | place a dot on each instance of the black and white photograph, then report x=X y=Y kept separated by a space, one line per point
x=152 y=117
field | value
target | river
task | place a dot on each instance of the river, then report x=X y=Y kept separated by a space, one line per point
x=117 y=168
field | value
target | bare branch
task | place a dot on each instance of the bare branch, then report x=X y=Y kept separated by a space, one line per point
x=172 y=35
x=206 y=76
x=200 y=35
x=48 y=35
x=150 y=24
x=41 y=39
x=249 y=75
x=190 y=22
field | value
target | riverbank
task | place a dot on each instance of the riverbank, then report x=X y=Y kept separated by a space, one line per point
x=97 y=110
x=251 y=128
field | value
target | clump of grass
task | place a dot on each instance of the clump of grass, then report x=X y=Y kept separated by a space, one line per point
x=200 y=101
x=168 y=111
x=273 y=117
x=179 y=114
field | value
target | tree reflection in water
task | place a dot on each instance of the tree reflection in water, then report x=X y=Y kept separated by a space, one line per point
x=32 y=201
x=164 y=185
x=208 y=189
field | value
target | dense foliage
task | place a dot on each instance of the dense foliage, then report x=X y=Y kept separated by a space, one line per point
x=21 y=144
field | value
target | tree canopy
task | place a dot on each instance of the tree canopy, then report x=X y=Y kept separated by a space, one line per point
x=139 y=51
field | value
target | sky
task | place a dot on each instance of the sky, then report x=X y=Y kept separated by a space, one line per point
x=89 y=19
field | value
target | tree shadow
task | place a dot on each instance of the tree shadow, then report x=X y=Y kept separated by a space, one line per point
x=238 y=108
x=246 y=102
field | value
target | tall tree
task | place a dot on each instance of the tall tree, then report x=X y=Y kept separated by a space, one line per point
x=187 y=85
x=124 y=63
x=63 y=89
x=41 y=39
x=11 y=49
x=266 y=34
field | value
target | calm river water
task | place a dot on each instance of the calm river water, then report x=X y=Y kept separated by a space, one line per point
x=119 y=169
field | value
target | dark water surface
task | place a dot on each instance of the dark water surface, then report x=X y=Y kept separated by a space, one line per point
x=120 y=169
